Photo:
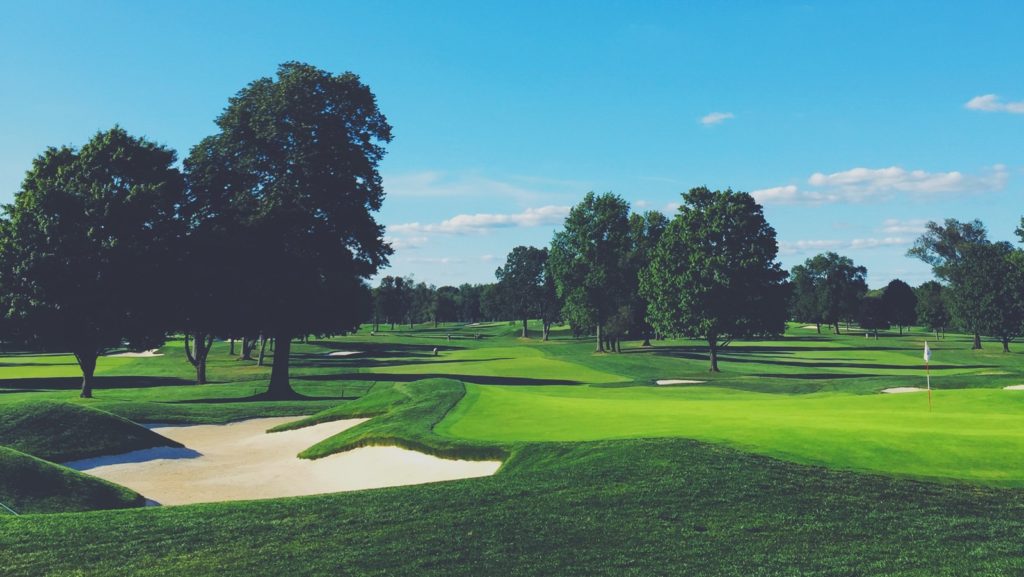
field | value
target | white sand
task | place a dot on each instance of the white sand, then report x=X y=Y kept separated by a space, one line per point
x=143 y=354
x=678 y=382
x=1014 y=388
x=814 y=327
x=342 y=353
x=241 y=461
x=904 y=390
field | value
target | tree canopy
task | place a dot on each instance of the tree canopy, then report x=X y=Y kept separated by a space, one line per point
x=522 y=282
x=714 y=275
x=900 y=303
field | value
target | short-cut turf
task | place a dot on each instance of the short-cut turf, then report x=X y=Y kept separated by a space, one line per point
x=31 y=485
x=58 y=431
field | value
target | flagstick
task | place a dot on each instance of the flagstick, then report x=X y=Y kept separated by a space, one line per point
x=928 y=376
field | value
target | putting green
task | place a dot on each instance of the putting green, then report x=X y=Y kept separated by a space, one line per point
x=974 y=434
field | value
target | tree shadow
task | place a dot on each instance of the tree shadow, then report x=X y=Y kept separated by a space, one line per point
x=475 y=379
x=73 y=383
x=729 y=358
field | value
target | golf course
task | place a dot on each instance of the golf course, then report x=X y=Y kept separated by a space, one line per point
x=603 y=471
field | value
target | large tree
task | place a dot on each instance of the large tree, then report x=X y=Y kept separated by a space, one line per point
x=87 y=250
x=521 y=281
x=900 y=303
x=805 y=285
x=301 y=152
x=841 y=286
x=645 y=232
x=988 y=296
x=714 y=275
x=873 y=315
x=590 y=262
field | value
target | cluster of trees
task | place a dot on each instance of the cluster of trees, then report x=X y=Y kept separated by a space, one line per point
x=268 y=229
x=709 y=272
x=400 y=300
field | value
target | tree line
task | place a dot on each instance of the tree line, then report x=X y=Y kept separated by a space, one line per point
x=267 y=230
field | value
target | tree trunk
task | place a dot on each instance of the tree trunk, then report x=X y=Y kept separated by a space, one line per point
x=545 y=330
x=526 y=331
x=280 y=387
x=600 y=340
x=1006 y=345
x=263 y=350
x=87 y=362
x=618 y=345
x=247 y=346
x=713 y=353
x=231 y=351
x=819 y=327
x=977 y=342
x=837 y=327
x=188 y=350
x=901 y=330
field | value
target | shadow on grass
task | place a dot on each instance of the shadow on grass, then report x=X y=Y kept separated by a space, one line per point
x=475 y=379
x=729 y=356
x=817 y=376
x=73 y=383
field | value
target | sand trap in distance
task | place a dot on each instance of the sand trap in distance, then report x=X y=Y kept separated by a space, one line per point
x=1014 y=388
x=815 y=327
x=342 y=353
x=678 y=382
x=143 y=354
x=241 y=461
x=904 y=390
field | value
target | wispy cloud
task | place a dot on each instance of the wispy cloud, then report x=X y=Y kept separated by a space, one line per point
x=992 y=103
x=800 y=247
x=864 y=184
x=897 y=226
x=484 y=222
x=406 y=243
x=440 y=184
x=716 y=118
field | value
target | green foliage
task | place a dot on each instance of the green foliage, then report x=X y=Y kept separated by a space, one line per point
x=714 y=275
x=988 y=290
x=521 y=281
x=839 y=286
x=874 y=314
x=900 y=304
x=590 y=262
x=933 y=306
x=32 y=485
x=60 y=431
x=805 y=281
x=86 y=256
x=942 y=245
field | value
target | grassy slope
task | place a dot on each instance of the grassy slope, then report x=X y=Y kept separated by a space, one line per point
x=31 y=485
x=59 y=431
x=641 y=507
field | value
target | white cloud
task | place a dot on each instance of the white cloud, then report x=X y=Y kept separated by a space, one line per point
x=897 y=226
x=488 y=258
x=432 y=260
x=798 y=247
x=805 y=246
x=438 y=184
x=671 y=208
x=864 y=184
x=716 y=118
x=992 y=103
x=878 y=242
x=406 y=243
x=483 y=222
x=641 y=204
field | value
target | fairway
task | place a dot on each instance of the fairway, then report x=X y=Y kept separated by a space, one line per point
x=975 y=435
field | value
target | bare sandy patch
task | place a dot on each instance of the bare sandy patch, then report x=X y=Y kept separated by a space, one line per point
x=810 y=327
x=678 y=382
x=137 y=355
x=904 y=390
x=1014 y=388
x=241 y=461
x=342 y=353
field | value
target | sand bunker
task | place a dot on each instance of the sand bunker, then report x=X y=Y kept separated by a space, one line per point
x=241 y=461
x=1014 y=388
x=342 y=353
x=904 y=390
x=678 y=382
x=149 y=353
x=814 y=327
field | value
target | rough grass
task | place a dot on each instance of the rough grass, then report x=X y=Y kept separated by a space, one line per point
x=58 y=431
x=31 y=485
x=404 y=415
x=622 y=508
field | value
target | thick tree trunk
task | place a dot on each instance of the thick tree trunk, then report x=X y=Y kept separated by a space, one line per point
x=526 y=331
x=819 y=327
x=713 y=353
x=188 y=350
x=976 y=346
x=87 y=362
x=231 y=351
x=600 y=340
x=280 y=387
x=202 y=344
x=247 y=346
x=545 y=330
x=618 y=345
x=263 y=350
x=1006 y=345
x=837 y=327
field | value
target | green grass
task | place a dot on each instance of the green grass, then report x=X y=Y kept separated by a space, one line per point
x=58 y=431
x=32 y=485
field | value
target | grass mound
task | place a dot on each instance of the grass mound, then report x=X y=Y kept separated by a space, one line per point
x=404 y=416
x=58 y=431
x=31 y=485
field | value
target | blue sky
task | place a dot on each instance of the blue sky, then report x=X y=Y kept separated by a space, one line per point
x=853 y=122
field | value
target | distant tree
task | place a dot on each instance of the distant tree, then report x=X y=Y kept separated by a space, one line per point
x=873 y=315
x=301 y=151
x=932 y=308
x=842 y=285
x=549 y=305
x=522 y=282
x=421 y=307
x=469 y=302
x=395 y=295
x=445 y=305
x=714 y=274
x=944 y=247
x=805 y=294
x=492 y=305
x=589 y=260
x=87 y=250
x=989 y=299
x=900 y=303
x=645 y=232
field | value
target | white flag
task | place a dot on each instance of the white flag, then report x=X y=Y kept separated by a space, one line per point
x=927 y=352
